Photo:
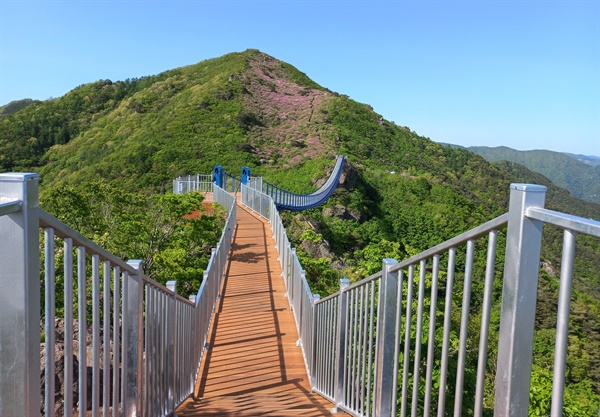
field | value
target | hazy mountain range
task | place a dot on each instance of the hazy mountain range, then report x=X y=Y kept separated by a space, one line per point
x=580 y=174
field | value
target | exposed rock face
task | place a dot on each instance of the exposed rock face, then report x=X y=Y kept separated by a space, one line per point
x=321 y=249
x=343 y=213
x=347 y=179
x=59 y=365
x=59 y=379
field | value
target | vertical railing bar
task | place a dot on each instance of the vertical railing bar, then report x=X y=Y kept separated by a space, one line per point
x=49 y=302
x=320 y=348
x=366 y=343
x=397 y=341
x=562 y=322
x=116 y=339
x=68 y=336
x=106 y=340
x=431 y=337
x=418 y=338
x=408 y=320
x=164 y=378
x=351 y=349
x=330 y=365
x=485 y=321
x=446 y=336
x=20 y=296
x=371 y=331
x=385 y=339
x=519 y=299
x=362 y=336
x=81 y=300
x=464 y=327
x=149 y=354
x=132 y=341
x=95 y=335
x=149 y=320
x=355 y=350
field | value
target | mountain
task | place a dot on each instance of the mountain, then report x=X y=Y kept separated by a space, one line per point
x=15 y=106
x=582 y=179
x=586 y=159
x=106 y=147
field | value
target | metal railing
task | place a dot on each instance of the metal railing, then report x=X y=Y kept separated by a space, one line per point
x=189 y=183
x=144 y=353
x=286 y=200
x=283 y=199
x=388 y=344
x=382 y=346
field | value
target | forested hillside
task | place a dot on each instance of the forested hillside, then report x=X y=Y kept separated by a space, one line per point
x=581 y=179
x=107 y=152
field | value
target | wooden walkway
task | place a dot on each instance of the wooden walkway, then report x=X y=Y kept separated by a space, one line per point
x=253 y=366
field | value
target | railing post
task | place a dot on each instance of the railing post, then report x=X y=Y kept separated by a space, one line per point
x=132 y=341
x=20 y=298
x=313 y=354
x=299 y=313
x=172 y=344
x=386 y=326
x=519 y=293
x=340 y=347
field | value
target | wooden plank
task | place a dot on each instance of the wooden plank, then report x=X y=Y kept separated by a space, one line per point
x=254 y=367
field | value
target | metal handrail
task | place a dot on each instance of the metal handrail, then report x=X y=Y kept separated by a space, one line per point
x=368 y=317
x=189 y=183
x=153 y=341
x=286 y=200
x=367 y=348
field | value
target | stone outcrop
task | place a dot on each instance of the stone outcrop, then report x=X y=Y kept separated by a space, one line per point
x=59 y=366
x=343 y=213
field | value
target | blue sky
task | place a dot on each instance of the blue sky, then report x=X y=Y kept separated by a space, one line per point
x=523 y=74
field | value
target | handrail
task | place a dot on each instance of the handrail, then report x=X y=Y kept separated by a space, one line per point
x=367 y=348
x=286 y=200
x=189 y=183
x=351 y=339
x=10 y=207
x=154 y=335
x=63 y=231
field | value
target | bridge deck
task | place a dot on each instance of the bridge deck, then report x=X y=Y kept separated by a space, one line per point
x=253 y=367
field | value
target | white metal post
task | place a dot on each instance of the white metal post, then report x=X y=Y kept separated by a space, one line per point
x=386 y=327
x=519 y=294
x=313 y=353
x=172 y=344
x=340 y=347
x=132 y=341
x=19 y=296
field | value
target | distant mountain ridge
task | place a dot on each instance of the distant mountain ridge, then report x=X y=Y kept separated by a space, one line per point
x=579 y=174
x=586 y=159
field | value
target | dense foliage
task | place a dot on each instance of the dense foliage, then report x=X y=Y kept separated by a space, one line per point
x=107 y=153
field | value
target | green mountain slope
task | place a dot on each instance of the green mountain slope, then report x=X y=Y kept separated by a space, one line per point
x=581 y=179
x=401 y=194
x=15 y=106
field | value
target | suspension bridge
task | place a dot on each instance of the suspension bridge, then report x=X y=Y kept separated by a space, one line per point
x=255 y=340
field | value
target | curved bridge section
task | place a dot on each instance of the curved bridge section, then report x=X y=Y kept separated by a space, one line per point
x=286 y=200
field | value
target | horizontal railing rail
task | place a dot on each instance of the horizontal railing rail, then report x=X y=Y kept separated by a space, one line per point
x=396 y=343
x=138 y=337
